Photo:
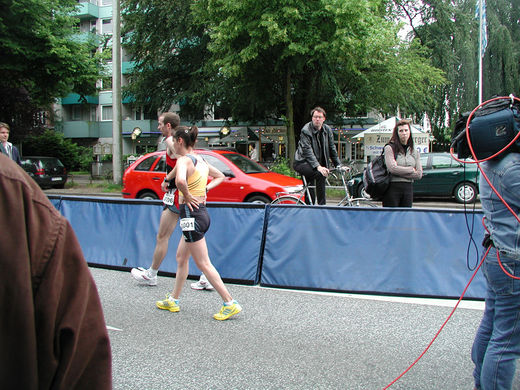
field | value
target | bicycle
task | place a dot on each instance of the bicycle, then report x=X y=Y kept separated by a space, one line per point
x=348 y=200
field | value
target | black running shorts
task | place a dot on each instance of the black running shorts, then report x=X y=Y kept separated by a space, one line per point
x=194 y=224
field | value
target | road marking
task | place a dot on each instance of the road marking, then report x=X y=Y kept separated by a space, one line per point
x=464 y=304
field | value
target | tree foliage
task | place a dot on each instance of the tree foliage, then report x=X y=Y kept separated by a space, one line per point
x=40 y=59
x=451 y=32
x=169 y=53
x=52 y=144
x=262 y=59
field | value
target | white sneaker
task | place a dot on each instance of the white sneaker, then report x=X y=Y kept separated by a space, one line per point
x=143 y=276
x=202 y=285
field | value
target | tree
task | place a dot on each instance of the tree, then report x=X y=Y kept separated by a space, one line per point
x=450 y=31
x=274 y=58
x=342 y=55
x=52 y=144
x=41 y=60
x=169 y=53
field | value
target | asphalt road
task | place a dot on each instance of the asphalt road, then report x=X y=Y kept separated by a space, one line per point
x=284 y=339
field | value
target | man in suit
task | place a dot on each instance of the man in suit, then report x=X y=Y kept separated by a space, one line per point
x=7 y=147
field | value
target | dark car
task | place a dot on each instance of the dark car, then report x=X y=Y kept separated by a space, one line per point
x=48 y=172
x=443 y=176
x=246 y=180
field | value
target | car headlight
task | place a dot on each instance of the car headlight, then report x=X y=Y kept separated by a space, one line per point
x=292 y=189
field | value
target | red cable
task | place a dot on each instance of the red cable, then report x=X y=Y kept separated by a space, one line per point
x=477 y=161
x=443 y=325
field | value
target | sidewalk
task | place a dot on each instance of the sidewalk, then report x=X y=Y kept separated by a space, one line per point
x=83 y=185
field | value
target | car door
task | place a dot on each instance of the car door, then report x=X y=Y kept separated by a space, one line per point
x=150 y=173
x=230 y=189
x=420 y=186
x=440 y=176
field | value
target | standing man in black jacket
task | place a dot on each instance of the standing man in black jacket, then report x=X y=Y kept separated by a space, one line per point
x=315 y=149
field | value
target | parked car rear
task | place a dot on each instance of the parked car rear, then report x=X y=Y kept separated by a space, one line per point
x=48 y=172
x=443 y=176
x=246 y=180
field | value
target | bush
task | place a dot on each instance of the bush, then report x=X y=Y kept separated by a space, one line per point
x=52 y=144
x=281 y=165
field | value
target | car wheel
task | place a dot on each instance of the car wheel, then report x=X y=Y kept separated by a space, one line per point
x=147 y=195
x=465 y=192
x=259 y=199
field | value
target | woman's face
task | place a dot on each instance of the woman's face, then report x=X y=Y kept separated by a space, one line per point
x=178 y=145
x=404 y=133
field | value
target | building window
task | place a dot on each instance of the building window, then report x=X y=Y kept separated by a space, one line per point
x=76 y=112
x=106 y=2
x=106 y=83
x=107 y=26
x=106 y=113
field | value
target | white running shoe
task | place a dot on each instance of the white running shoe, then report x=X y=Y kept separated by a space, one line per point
x=143 y=276
x=202 y=285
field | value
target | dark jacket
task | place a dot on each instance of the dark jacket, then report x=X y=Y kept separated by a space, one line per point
x=16 y=155
x=52 y=331
x=308 y=146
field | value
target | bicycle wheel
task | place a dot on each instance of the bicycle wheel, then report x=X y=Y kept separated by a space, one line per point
x=288 y=199
x=360 y=202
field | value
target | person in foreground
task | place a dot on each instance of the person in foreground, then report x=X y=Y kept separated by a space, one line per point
x=496 y=348
x=52 y=331
x=404 y=164
x=167 y=123
x=191 y=177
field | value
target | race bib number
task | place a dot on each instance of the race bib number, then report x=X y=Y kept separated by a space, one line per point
x=187 y=224
x=169 y=198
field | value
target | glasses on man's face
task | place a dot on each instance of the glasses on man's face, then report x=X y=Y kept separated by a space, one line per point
x=318 y=117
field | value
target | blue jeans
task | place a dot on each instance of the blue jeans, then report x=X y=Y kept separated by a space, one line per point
x=497 y=343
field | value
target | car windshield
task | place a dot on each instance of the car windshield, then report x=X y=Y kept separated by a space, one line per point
x=50 y=163
x=244 y=164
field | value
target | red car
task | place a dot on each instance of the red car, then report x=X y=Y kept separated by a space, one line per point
x=246 y=180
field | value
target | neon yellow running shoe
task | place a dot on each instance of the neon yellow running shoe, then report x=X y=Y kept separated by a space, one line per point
x=228 y=311
x=168 y=304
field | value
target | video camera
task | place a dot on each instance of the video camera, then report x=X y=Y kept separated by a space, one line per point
x=492 y=127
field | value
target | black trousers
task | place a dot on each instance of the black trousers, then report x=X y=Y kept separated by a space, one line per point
x=399 y=194
x=314 y=179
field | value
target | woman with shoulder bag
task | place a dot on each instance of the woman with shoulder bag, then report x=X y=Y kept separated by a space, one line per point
x=404 y=164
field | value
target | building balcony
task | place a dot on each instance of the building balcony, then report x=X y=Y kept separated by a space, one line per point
x=87 y=10
x=74 y=98
x=103 y=129
x=81 y=129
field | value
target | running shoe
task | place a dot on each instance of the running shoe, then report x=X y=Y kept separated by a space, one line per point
x=143 y=276
x=168 y=304
x=228 y=311
x=202 y=285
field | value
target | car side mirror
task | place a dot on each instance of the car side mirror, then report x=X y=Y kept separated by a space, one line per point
x=229 y=174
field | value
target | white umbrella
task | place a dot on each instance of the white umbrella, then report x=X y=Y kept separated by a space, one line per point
x=387 y=126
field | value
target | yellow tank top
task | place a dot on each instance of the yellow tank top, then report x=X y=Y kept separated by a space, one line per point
x=198 y=180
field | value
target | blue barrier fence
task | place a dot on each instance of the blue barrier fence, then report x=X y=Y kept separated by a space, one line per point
x=388 y=251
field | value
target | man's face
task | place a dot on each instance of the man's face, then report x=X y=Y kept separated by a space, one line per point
x=4 y=134
x=317 y=119
x=164 y=129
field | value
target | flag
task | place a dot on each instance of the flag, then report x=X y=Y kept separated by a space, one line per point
x=483 y=25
